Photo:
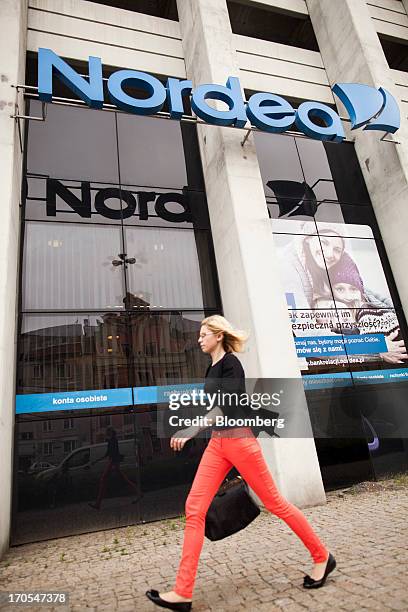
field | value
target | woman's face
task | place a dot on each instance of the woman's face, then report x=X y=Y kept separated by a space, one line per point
x=332 y=247
x=348 y=294
x=208 y=340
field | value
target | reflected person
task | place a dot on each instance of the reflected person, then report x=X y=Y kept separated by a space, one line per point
x=113 y=465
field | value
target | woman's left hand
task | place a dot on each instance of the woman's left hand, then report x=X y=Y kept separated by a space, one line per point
x=180 y=438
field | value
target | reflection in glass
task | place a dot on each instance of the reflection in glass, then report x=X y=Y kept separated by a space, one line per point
x=165 y=348
x=304 y=179
x=76 y=470
x=73 y=352
x=65 y=474
x=165 y=476
x=87 y=351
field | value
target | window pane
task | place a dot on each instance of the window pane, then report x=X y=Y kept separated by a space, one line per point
x=166 y=273
x=151 y=152
x=92 y=350
x=279 y=163
x=69 y=266
x=61 y=476
x=316 y=168
x=73 y=143
x=165 y=348
x=381 y=332
x=303 y=268
x=358 y=276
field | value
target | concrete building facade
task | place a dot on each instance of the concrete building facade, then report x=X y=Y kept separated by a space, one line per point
x=322 y=43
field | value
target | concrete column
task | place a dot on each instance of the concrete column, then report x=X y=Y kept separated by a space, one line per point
x=351 y=51
x=13 y=26
x=251 y=290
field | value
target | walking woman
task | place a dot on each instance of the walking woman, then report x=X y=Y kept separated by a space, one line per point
x=230 y=447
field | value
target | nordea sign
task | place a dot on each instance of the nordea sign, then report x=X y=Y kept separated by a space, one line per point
x=375 y=109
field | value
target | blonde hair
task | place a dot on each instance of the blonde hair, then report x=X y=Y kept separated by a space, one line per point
x=233 y=340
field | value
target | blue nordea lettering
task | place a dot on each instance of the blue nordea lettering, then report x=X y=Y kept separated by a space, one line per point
x=333 y=130
x=155 y=89
x=91 y=92
x=266 y=111
x=270 y=113
x=230 y=94
x=176 y=89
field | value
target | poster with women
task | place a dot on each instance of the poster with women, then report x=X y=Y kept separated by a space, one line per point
x=344 y=321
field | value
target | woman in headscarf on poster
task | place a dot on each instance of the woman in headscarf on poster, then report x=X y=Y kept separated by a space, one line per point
x=358 y=314
x=308 y=259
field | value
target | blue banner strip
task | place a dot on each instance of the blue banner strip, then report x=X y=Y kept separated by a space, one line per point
x=380 y=376
x=327 y=381
x=160 y=395
x=344 y=379
x=74 y=400
x=105 y=398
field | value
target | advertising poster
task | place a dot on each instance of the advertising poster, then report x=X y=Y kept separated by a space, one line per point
x=342 y=314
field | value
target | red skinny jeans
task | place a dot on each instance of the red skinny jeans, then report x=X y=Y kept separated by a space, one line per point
x=220 y=455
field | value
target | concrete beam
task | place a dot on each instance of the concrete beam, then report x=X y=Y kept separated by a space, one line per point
x=351 y=52
x=290 y=7
x=251 y=290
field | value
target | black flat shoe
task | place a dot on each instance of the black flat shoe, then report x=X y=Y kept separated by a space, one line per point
x=182 y=606
x=310 y=583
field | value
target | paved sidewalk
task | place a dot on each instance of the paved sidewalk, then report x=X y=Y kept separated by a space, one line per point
x=259 y=569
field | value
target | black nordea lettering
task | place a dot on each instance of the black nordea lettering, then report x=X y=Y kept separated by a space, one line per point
x=167 y=215
x=82 y=206
x=116 y=193
x=143 y=198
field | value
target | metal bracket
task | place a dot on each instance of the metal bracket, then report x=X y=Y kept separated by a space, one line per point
x=18 y=117
x=246 y=137
x=32 y=92
x=392 y=140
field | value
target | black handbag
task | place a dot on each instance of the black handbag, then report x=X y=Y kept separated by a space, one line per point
x=231 y=510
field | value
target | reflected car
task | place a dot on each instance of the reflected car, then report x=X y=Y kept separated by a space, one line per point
x=39 y=466
x=77 y=476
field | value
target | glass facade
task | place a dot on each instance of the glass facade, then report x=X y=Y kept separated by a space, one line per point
x=117 y=273
x=346 y=316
